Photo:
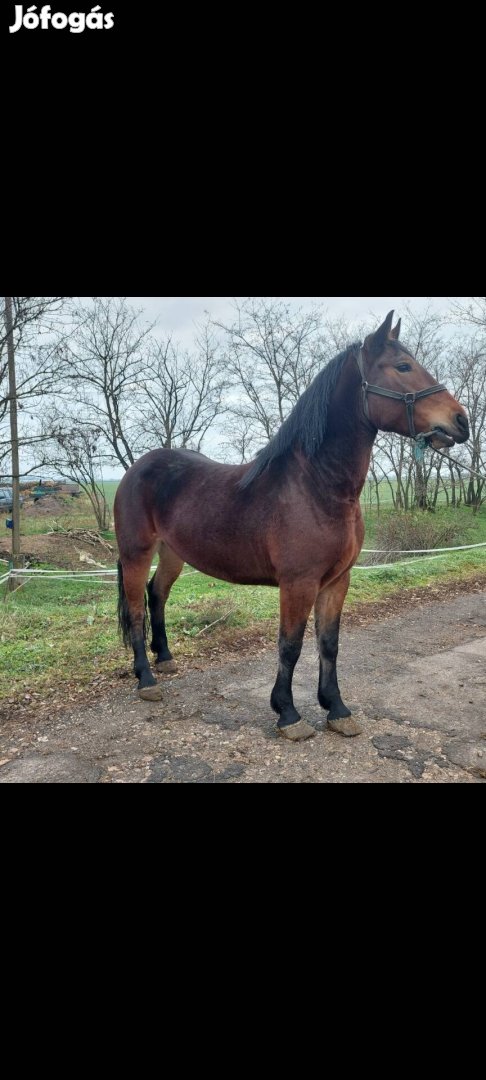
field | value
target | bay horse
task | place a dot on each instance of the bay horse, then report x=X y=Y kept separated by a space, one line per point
x=291 y=518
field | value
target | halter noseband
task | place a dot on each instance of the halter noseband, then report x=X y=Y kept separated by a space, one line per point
x=408 y=399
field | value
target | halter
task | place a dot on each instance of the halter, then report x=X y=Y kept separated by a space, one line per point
x=408 y=399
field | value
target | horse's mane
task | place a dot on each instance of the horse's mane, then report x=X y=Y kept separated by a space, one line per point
x=306 y=425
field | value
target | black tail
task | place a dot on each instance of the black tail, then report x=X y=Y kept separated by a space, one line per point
x=123 y=612
x=124 y=621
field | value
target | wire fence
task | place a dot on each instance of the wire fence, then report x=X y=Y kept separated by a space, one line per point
x=109 y=577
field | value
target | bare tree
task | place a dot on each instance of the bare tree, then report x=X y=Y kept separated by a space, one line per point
x=75 y=451
x=105 y=363
x=36 y=334
x=181 y=393
x=392 y=462
x=336 y=335
x=270 y=360
x=468 y=374
x=38 y=312
x=470 y=309
x=239 y=441
x=38 y=374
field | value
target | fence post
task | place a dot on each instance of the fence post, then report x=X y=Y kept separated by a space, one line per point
x=17 y=563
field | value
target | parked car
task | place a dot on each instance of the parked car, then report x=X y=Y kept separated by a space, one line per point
x=6 y=499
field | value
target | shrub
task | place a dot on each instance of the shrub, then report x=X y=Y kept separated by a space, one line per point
x=416 y=531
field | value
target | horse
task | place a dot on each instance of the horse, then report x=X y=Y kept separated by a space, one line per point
x=291 y=518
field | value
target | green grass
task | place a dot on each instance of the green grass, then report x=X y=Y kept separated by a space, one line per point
x=109 y=488
x=376 y=584
x=66 y=630
x=54 y=632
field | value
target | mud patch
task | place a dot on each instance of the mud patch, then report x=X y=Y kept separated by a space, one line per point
x=59 y=550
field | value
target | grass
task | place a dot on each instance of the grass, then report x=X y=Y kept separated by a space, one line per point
x=72 y=514
x=109 y=487
x=65 y=631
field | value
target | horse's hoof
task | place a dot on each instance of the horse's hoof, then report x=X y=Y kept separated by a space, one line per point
x=297 y=732
x=151 y=693
x=166 y=667
x=345 y=725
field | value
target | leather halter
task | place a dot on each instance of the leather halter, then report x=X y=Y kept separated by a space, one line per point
x=408 y=399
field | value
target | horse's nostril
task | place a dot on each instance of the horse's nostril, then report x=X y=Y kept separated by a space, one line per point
x=462 y=423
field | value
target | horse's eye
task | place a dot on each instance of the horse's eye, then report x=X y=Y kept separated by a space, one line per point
x=404 y=367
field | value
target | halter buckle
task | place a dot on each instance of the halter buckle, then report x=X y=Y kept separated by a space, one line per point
x=409 y=399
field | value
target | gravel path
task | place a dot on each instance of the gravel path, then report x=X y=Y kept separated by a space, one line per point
x=417 y=681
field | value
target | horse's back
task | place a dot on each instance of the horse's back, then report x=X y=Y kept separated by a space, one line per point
x=160 y=470
x=164 y=484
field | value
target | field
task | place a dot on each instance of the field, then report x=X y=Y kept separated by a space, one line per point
x=63 y=631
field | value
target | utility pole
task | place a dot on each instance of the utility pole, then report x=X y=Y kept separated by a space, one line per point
x=17 y=560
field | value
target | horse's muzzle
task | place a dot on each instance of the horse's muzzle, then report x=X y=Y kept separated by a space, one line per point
x=449 y=434
x=462 y=423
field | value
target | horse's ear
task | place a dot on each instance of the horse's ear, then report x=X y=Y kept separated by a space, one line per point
x=395 y=333
x=377 y=342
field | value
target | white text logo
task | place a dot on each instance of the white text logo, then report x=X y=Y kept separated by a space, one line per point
x=77 y=21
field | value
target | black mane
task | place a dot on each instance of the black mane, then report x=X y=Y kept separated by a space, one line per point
x=306 y=425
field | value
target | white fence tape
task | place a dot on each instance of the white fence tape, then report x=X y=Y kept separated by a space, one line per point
x=100 y=576
x=392 y=565
x=77 y=575
x=419 y=551
x=67 y=574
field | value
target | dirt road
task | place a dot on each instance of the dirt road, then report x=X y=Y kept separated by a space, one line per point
x=416 y=680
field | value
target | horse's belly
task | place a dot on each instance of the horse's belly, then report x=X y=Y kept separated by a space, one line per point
x=237 y=562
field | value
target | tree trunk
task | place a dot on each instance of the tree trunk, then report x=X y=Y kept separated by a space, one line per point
x=421 y=499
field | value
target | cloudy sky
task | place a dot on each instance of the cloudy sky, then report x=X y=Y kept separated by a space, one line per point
x=178 y=314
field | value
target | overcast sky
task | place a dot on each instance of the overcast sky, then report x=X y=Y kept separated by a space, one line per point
x=179 y=314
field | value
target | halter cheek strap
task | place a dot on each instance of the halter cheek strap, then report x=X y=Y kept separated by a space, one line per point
x=408 y=399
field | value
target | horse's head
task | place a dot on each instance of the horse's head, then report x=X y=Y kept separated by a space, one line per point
x=400 y=395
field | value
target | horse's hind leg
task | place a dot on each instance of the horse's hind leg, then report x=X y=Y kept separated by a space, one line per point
x=296 y=601
x=167 y=572
x=132 y=585
x=328 y=609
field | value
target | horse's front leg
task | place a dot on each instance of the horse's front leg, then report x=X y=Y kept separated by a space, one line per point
x=296 y=601
x=328 y=607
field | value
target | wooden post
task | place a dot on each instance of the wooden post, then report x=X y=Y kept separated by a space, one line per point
x=17 y=560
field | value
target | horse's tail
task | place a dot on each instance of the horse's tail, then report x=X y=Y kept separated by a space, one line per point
x=123 y=610
x=124 y=621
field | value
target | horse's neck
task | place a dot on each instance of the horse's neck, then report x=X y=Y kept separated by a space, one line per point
x=345 y=455
x=343 y=462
